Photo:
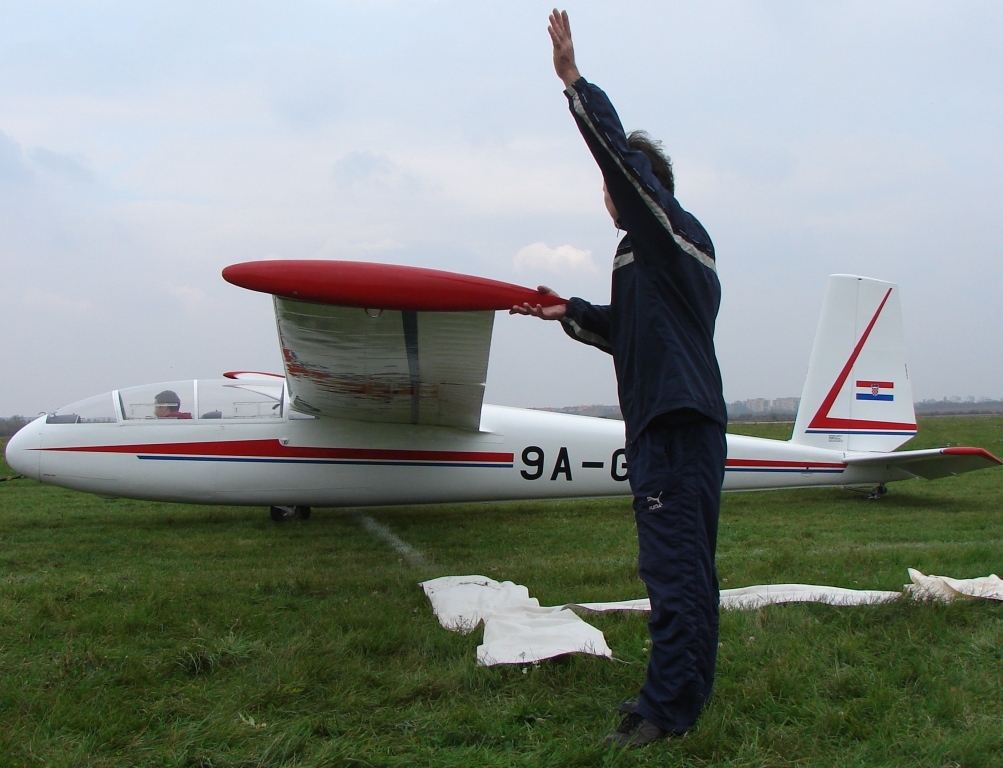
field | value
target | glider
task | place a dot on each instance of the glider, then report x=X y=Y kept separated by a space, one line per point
x=381 y=403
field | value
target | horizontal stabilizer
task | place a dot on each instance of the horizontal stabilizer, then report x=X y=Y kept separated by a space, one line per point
x=930 y=464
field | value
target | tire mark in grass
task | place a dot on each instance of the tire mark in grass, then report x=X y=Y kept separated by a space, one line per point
x=380 y=531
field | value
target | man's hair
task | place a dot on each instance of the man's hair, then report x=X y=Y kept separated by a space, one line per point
x=661 y=165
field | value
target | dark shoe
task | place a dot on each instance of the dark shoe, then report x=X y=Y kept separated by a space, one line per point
x=634 y=731
x=627 y=707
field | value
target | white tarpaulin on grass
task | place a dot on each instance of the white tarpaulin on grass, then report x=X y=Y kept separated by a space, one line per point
x=518 y=630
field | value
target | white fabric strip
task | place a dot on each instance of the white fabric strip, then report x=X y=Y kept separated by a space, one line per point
x=749 y=598
x=518 y=630
x=652 y=204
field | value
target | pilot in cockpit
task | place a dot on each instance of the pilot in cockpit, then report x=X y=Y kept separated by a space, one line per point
x=167 y=405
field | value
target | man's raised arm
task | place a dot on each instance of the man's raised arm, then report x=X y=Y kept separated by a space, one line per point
x=564 y=51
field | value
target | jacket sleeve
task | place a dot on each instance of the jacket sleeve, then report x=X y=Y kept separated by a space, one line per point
x=645 y=207
x=588 y=323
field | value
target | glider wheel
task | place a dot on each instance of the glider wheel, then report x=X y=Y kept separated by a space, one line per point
x=284 y=514
x=877 y=492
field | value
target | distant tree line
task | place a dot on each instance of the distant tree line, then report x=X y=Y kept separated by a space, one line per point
x=958 y=407
x=600 y=411
x=11 y=424
x=764 y=409
x=785 y=409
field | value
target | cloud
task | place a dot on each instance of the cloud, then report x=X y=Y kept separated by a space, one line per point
x=361 y=170
x=155 y=139
x=13 y=168
x=560 y=260
x=70 y=167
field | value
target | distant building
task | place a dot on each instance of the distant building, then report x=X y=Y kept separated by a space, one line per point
x=786 y=404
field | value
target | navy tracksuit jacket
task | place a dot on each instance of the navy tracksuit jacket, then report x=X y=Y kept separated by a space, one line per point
x=659 y=328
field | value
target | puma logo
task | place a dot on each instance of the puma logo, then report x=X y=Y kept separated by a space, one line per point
x=655 y=502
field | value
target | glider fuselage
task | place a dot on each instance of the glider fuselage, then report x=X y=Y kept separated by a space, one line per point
x=324 y=462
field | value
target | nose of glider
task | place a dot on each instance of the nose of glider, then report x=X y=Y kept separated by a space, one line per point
x=23 y=452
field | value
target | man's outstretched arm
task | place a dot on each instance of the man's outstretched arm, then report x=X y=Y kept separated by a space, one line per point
x=582 y=321
x=588 y=323
x=644 y=206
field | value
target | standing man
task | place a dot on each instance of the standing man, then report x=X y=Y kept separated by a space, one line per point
x=659 y=328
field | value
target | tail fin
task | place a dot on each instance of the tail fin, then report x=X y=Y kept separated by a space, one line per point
x=857 y=395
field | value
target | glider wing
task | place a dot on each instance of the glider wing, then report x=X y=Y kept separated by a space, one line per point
x=384 y=343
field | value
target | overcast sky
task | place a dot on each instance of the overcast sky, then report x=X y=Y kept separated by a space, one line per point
x=145 y=146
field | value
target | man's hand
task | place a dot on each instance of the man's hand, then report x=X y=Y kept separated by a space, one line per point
x=555 y=312
x=564 y=52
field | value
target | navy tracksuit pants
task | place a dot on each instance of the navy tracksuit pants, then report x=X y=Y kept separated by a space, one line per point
x=676 y=471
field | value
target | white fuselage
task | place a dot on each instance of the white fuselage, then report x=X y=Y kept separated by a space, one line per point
x=324 y=462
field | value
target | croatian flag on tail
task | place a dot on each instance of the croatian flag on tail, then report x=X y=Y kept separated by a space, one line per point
x=875 y=390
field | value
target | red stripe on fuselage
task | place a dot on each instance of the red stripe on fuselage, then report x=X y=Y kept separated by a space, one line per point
x=273 y=449
x=757 y=463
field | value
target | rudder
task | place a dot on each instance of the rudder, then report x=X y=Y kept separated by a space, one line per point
x=857 y=395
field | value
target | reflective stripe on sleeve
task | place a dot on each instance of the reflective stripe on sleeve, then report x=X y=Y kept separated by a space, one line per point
x=652 y=204
x=587 y=336
x=622 y=259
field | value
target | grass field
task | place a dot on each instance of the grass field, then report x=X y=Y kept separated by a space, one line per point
x=134 y=633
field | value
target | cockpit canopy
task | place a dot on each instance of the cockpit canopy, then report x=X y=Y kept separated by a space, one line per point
x=179 y=401
x=94 y=410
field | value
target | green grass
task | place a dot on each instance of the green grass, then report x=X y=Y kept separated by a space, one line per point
x=134 y=633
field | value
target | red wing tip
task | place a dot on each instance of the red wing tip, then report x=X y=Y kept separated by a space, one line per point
x=965 y=451
x=382 y=286
x=252 y=375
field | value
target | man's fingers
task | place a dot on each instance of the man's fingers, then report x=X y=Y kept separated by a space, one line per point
x=555 y=34
x=558 y=26
x=544 y=313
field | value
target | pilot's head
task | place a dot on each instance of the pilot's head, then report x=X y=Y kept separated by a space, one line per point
x=166 y=403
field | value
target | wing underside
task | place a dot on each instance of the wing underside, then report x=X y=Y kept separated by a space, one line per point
x=404 y=367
